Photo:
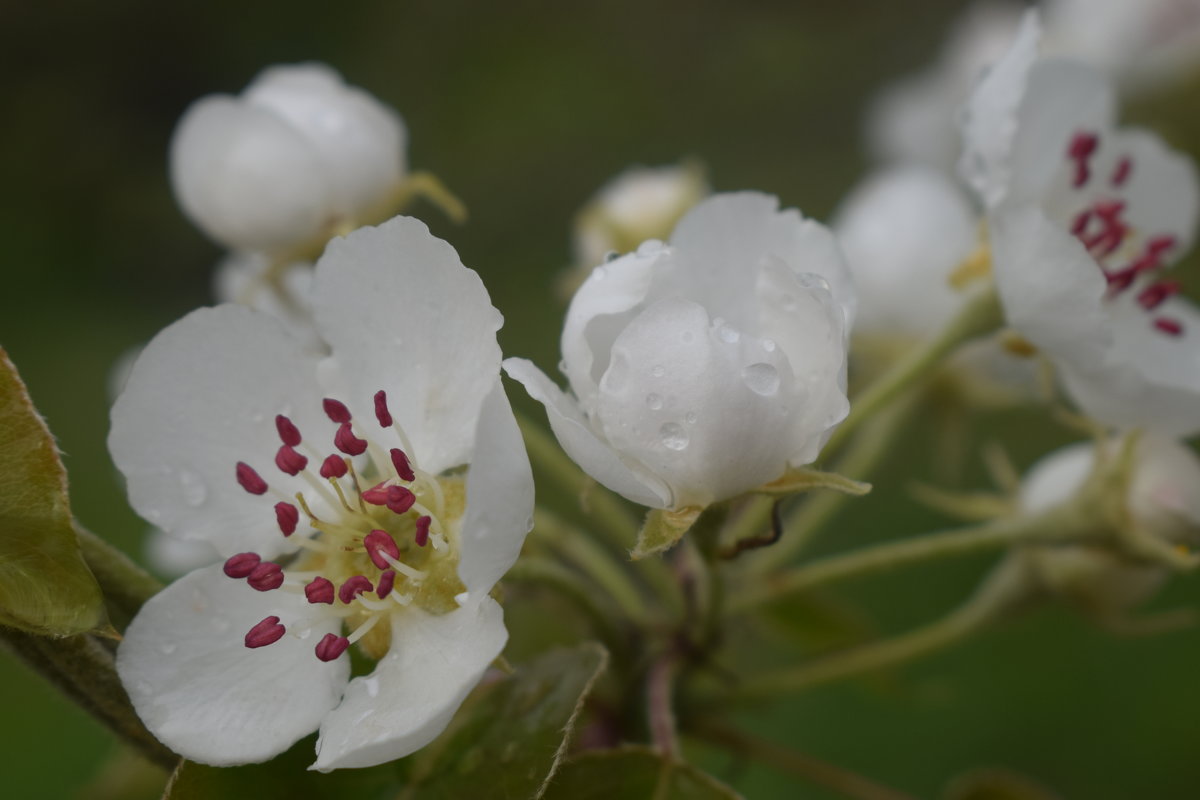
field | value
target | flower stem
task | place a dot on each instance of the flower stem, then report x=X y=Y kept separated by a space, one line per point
x=793 y=762
x=81 y=667
x=1004 y=589
x=1061 y=523
x=660 y=686
x=126 y=586
x=979 y=315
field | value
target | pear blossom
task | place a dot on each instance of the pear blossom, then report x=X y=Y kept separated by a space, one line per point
x=1083 y=217
x=296 y=155
x=705 y=367
x=1163 y=500
x=367 y=498
x=252 y=280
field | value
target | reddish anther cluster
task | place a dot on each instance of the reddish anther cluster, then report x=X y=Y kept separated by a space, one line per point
x=331 y=646
x=1080 y=151
x=269 y=631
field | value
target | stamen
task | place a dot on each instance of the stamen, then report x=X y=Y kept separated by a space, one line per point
x=269 y=631
x=331 y=646
x=319 y=590
x=365 y=628
x=1156 y=294
x=287 y=516
x=290 y=461
x=399 y=499
x=1121 y=173
x=266 y=576
x=241 y=565
x=250 y=480
x=336 y=410
x=347 y=442
x=1151 y=259
x=422 y=537
x=334 y=466
x=1169 y=326
x=403 y=467
x=1080 y=151
x=289 y=434
x=381 y=410
x=378 y=544
x=353 y=587
x=376 y=495
x=386 y=581
x=1113 y=232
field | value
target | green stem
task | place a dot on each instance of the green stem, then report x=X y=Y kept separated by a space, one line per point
x=1003 y=590
x=544 y=572
x=793 y=762
x=82 y=669
x=979 y=315
x=1061 y=523
x=126 y=586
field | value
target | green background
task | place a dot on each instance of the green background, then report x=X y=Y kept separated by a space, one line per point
x=524 y=109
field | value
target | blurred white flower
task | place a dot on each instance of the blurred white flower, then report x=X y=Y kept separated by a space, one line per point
x=349 y=467
x=250 y=279
x=1082 y=219
x=708 y=367
x=296 y=155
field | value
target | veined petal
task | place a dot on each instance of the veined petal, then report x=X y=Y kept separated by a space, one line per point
x=206 y=695
x=200 y=399
x=403 y=314
x=499 y=497
x=594 y=456
x=434 y=662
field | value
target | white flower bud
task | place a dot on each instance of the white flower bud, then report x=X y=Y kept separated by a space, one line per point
x=294 y=155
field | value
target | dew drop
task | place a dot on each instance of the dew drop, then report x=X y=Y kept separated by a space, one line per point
x=673 y=436
x=654 y=402
x=372 y=686
x=658 y=370
x=650 y=247
x=768 y=345
x=728 y=334
x=811 y=280
x=194 y=490
x=611 y=255
x=167 y=648
x=761 y=379
x=690 y=419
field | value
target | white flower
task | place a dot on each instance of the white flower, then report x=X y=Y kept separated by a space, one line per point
x=1163 y=500
x=706 y=368
x=639 y=204
x=334 y=488
x=295 y=155
x=1082 y=218
x=251 y=279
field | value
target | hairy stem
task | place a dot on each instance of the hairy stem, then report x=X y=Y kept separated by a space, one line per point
x=126 y=586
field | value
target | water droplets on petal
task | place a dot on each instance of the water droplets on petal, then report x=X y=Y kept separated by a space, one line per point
x=673 y=436
x=761 y=378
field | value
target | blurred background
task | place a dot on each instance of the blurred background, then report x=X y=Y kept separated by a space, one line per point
x=524 y=109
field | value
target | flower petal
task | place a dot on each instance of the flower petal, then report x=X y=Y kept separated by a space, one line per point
x=593 y=455
x=403 y=314
x=499 y=497
x=206 y=695
x=434 y=662
x=201 y=398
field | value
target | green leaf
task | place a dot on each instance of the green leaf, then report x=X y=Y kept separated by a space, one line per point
x=285 y=777
x=45 y=586
x=818 y=620
x=633 y=771
x=508 y=742
x=662 y=529
x=803 y=479
x=997 y=784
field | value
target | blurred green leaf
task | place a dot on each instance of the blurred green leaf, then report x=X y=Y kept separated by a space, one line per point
x=817 y=620
x=45 y=586
x=508 y=742
x=997 y=784
x=285 y=777
x=633 y=772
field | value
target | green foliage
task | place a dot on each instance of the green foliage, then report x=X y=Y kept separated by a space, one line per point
x=633 y=772
x=997 y=784
x=662 y=529
x=45 y=586
x=804 y=479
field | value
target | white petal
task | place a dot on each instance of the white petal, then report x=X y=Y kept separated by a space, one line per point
x=1051 y=289
x=722 y=242
x=1056 y=477
x=174 y=556
x=1161 y=194
x=359 y=141
x=206 y=695
x=245 y=177
x=203 y=396
x=594 y=455
x=403 y=314
x=499 y=497
x=903 y=231
x=433 y=664
x=242 y=278
x=702 y=406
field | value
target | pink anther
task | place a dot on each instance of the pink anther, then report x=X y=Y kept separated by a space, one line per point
x=403 y=467
x=336 y=410
x=353 y=587
x=241 y=565
x=266 y=576
x=347 y=442
x=1083 y=145
x=287 y=516
x=250 y=480
x=334 y=466
x=1169 y=326
x=319 y=590
x=376 y=495
x=387 y=581
x=289 y=461
x=399 y=499
x=331 y=646
x=381 y=409
x=269 y=631
x=1156 y=294
x=422 y=537
x=1122 y=171
x=289 y=434
x=380 y=545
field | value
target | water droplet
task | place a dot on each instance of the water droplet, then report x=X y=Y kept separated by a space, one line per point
x=611 y=255
x=562 y=366
x=728 y=334
x=673 y=436
x=690 y=419
x=654 y=402
x=650 y=247
x=811 y=280
x=761 y=379
x=166 y=648
x=372 y=686
x=598 y=273
x=194 y=490
x=768 y=345
x=658 y=370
